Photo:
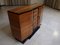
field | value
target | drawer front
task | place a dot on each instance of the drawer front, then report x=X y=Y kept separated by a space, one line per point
x=38 y=21
x=26 y=32
x=35 y=14
x=35 y=18
x=35 y=25
x=36 y=10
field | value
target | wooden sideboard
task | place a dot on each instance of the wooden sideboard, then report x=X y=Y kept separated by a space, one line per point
x=25 y=21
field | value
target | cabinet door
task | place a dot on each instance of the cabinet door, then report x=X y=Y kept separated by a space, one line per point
x=26 y=24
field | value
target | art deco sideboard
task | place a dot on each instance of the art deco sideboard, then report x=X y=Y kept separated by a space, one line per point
x=25 y=21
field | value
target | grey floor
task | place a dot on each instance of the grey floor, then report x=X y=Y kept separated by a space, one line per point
x=48 y=34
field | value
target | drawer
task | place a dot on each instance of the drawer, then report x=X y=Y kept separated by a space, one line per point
x=38 y=17
x=36 y=10
x=35 y=20
x=35 y=24
x=35 y=14
x=38 y=21
x=26 y=33
x=35 y=17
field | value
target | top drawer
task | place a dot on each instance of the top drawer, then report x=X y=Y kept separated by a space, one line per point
x=35 y=12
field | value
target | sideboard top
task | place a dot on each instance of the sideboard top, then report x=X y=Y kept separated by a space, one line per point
x=22 y=9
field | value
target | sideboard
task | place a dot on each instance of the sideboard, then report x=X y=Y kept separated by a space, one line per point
x=25 y=21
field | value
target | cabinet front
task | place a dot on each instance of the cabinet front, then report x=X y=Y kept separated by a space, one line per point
x=26 y=25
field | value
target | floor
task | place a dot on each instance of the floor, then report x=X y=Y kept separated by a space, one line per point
x=48 y=34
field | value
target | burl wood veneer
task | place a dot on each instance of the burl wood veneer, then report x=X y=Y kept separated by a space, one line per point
x=25 y=21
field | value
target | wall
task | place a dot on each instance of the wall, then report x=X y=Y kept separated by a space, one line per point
x=7 y=2
x=14 y=2
x=1 y=2
x=36 y=1
x=41 y=1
